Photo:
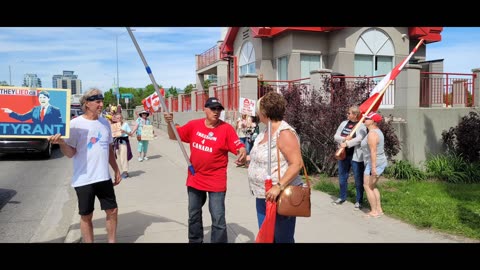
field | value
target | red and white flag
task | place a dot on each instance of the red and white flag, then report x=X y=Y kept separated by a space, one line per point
x=376 y=96
x=152 y=102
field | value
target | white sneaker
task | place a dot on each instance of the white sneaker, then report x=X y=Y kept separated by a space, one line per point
x=145 y=158
x=338 y=201
x=140 y=159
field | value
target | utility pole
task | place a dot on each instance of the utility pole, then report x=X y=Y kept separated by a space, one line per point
x=118 y=84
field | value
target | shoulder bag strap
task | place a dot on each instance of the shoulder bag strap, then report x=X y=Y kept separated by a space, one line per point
x=303 y=164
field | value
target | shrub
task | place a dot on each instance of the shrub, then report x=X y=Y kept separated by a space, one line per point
x=464 y=139
x=404 y=170
x=449 y=168
x=392 y=143
x=316 y=114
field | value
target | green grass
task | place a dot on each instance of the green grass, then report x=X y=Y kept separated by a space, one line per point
x=445 y=207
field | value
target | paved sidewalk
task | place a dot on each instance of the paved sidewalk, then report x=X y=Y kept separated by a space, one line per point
x=153 y=208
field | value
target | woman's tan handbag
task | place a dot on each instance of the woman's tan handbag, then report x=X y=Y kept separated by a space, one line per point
x=341 y=154
x=294 y=200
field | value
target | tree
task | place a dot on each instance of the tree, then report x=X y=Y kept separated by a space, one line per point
x=206 y=85
x=188 y=89
x=149 y=89
x=172 y=91
x=109 y=98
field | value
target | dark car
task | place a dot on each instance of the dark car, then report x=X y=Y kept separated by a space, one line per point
x=26 y=145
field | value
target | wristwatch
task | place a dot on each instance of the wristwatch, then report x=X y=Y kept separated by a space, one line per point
x=280 y=186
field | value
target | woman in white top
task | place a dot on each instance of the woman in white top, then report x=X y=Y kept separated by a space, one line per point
x=272 y=108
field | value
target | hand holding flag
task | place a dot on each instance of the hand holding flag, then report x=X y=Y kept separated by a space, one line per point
x=373 y=102
x=155 y=85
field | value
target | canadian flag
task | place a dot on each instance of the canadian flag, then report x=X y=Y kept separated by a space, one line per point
x=152 y=102
x=376 y=96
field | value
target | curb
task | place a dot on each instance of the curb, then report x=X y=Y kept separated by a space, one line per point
x=74 y=235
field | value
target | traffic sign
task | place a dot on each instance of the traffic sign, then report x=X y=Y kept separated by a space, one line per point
x=127 y=95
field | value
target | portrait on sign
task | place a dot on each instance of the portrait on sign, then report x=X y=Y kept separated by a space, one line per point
x=34 y=112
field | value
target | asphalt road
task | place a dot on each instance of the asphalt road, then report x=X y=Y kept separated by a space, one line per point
x=37 y=203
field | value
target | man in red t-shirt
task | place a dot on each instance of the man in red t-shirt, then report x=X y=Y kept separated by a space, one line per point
x=210 y=141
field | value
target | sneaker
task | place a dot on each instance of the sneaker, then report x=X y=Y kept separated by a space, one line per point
x=338 y=201
x=145 y=158
x=140 y=159
x=358 y=206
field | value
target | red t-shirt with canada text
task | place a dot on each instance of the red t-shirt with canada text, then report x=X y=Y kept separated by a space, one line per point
x=209 y=149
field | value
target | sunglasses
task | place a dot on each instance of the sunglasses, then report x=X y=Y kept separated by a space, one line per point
x=216 y=109
x=95 y=97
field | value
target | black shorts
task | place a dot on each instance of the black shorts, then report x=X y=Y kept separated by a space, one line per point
x=86 y=197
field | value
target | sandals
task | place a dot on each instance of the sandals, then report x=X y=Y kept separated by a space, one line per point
x=372 y=216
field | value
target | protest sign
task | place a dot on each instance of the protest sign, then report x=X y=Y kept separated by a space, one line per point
x=247 y=106
x=116 y=129
x=147 y=132
x=34 y=112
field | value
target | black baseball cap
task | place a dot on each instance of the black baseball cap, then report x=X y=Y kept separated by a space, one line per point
x=213 y=102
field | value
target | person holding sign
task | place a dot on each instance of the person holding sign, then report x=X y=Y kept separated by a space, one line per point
x=141 y=122
x=90 y=145
x=123 y=151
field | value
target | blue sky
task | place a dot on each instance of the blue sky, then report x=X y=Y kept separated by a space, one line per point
x=169 y=51
x=459 y=48
x=91 y=53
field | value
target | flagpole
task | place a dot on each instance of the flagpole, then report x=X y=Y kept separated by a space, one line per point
x=162 y=101
x=396 y=71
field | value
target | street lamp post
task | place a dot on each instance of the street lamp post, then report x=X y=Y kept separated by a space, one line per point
x=118 y=83
x=117 y=90
x=10 y=70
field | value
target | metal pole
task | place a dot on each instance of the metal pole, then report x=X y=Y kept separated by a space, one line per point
x=118 y=83
x=162 y=101
x=10 y=70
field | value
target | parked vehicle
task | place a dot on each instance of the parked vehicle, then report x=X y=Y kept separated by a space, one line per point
x=26 y=145
x=75 y=112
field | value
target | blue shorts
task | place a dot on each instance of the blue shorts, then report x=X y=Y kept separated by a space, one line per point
x=380 y=168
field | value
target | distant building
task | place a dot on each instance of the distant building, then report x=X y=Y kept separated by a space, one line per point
x=75 y=99
x=211 y=77
x=67 y=81
x=31 y=80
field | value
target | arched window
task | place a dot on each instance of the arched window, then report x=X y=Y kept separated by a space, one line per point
x=373 y=54
x=247 y=59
